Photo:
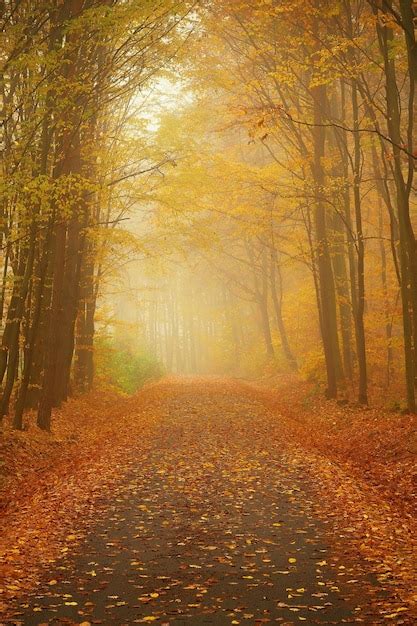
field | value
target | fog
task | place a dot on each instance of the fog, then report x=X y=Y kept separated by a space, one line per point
x=221 y=188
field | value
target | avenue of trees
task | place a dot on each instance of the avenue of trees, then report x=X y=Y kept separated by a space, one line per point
x=69 y=71
x=274 y=203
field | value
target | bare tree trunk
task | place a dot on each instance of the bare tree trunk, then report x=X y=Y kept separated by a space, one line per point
x=359 y=315
x=408 y=261
x=33 y=335
x=277 y=302
x=54 y=325
x=325 y=271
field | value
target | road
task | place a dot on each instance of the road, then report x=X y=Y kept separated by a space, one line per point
x=212 y=525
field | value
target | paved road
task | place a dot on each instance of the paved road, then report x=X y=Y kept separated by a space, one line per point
x=212 y=526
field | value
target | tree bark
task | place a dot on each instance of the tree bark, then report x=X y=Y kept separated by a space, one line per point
x=324 y=264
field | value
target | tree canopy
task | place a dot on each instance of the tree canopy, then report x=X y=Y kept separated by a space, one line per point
x=234 y=181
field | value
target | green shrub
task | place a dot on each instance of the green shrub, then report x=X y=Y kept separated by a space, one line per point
x=125 y=368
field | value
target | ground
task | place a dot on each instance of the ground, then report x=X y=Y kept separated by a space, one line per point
x=199 y=509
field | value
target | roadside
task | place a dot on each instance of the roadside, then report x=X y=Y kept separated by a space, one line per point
x=374 y=445
x=364 y=468
x=55 y=484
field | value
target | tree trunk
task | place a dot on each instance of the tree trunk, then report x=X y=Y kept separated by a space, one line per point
x=408 y=264
x=277 y=302
x=324 y=265
x=359 y=315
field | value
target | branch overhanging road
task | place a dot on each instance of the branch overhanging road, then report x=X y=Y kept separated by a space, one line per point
x=212 y=525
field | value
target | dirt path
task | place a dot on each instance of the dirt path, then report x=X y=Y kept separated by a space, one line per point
x=212 y=525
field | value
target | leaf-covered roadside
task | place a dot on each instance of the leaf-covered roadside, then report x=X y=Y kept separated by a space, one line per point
x=67 y=478
x=364 y=467
x=372 y=444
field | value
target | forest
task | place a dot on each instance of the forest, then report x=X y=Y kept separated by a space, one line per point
x=208 y=194
x=262 y=203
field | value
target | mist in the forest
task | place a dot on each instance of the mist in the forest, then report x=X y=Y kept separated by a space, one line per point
x=203 y=290
x=218 y=188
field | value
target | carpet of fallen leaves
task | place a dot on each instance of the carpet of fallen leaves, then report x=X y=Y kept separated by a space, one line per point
x=363 y=463
x=50 y=483
x=376 y=445
x=258 y=481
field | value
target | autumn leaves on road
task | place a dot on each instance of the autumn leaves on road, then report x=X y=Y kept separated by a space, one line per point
x=210 y=523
